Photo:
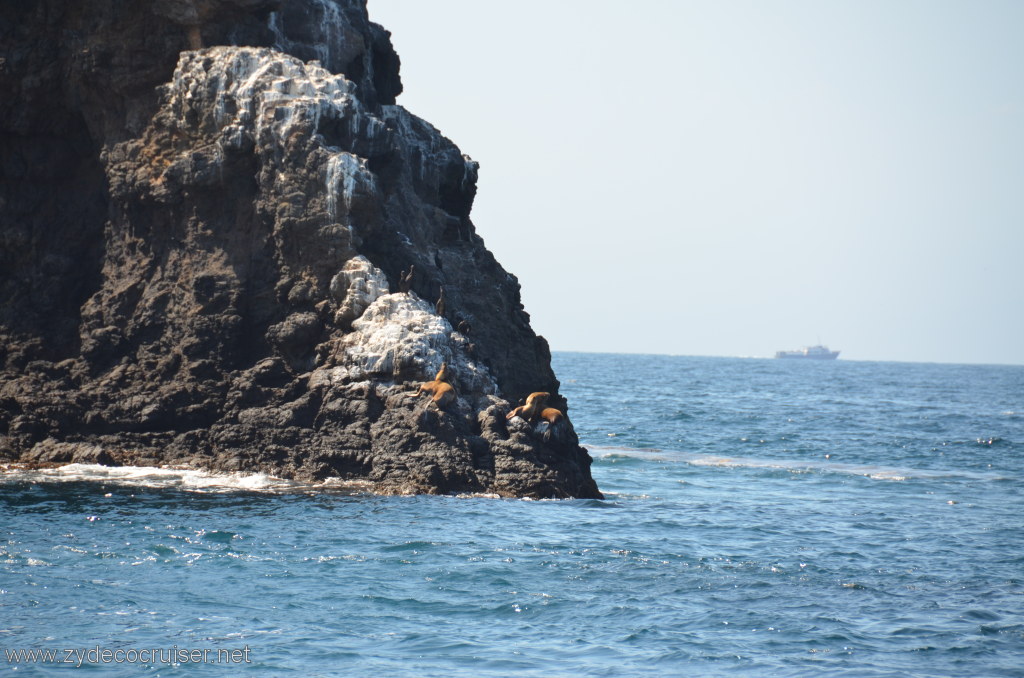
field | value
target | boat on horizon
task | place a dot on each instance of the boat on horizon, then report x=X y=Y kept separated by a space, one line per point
x=809 y=353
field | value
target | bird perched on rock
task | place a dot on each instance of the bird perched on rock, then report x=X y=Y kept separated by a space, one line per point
x=440 y=305
x=405 y=279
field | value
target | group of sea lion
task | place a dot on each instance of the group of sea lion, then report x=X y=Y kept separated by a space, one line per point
x=534 y=409
x=442 y=393
x=534 y=412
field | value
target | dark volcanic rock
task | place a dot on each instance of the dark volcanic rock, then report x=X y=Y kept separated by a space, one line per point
x=206 y=208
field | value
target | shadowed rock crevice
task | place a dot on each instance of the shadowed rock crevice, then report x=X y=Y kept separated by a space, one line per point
x=207 y=210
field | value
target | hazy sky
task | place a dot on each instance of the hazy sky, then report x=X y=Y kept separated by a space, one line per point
x=720 y=177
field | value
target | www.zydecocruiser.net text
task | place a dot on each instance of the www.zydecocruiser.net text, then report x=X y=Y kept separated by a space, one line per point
x=99 y=655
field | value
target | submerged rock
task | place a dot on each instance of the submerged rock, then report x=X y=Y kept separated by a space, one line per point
x=206 y=213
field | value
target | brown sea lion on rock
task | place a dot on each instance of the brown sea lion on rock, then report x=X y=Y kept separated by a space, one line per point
x=442 y=393
x=531 y=410
x=551 y=415
x=534 y=409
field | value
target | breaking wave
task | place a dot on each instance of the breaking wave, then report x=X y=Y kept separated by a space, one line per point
x=190 y=480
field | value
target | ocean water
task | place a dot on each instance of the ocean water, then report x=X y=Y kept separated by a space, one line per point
x=763 y=518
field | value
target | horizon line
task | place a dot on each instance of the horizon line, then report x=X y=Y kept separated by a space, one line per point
x=766 y=357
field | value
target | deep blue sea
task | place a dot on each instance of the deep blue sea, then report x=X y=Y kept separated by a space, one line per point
x=763 y=518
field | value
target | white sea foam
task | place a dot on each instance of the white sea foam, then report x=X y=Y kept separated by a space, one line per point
x=191 y=480
x=793 y=465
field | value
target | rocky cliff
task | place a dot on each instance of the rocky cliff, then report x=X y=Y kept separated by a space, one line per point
x=225 y=246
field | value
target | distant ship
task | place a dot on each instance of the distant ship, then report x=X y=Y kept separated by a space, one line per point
x=810 y=353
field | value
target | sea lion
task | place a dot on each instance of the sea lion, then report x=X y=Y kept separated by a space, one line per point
x=442 y=393
x=444 y=374
x=551 y=415
x=533 y=408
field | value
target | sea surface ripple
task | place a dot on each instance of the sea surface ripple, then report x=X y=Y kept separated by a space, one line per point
x=762 y=518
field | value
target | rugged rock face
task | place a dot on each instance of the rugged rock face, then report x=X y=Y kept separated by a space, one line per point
x=208 y=213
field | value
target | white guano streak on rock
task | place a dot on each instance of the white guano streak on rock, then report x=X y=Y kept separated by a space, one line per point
x=272 y=93
x=344 y=172
x=332 y=24
x=357 y=285
x=403 y=121
x=428 y=145
x=399 y=330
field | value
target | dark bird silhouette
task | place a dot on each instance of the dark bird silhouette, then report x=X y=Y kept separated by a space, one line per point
x=405 y=280
x=440 y=305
